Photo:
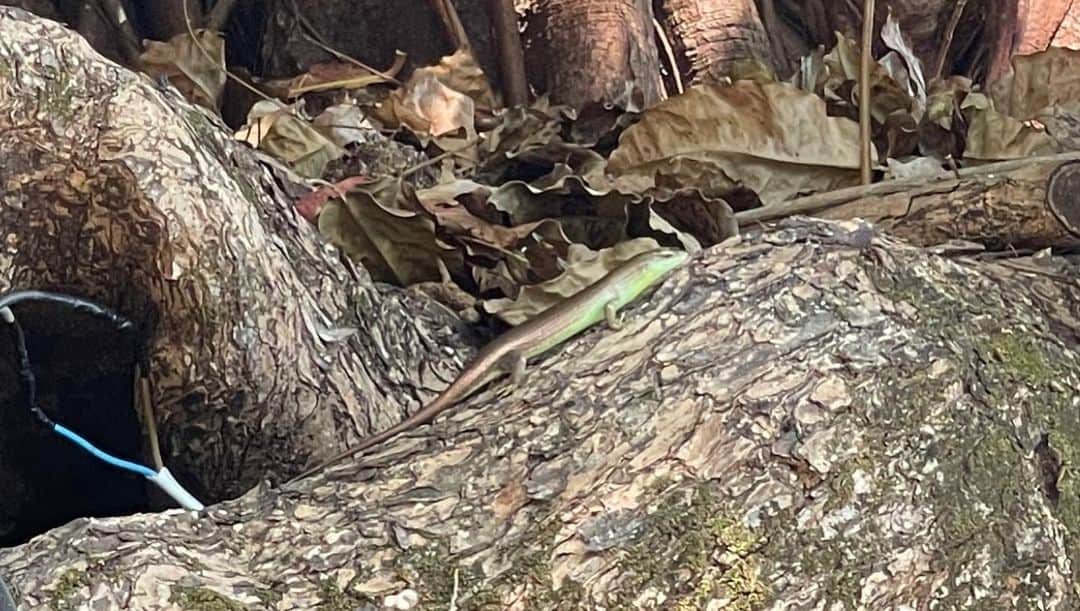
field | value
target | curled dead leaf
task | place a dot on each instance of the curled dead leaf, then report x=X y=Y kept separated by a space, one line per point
x=310 y=205
x=441 y=99
x=595 y=216
x=995 y=136
x=195 y=66
x=772 y=138
x=278 y=131
x=380 y=224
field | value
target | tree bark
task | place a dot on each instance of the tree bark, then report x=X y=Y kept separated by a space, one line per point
x=241 y=306
x=1022 y=204
x=582 y=51
x=813 y=415
x=710 y=35
x=886 y=428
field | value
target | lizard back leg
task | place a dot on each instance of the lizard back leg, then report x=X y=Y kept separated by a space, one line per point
x=514 y=363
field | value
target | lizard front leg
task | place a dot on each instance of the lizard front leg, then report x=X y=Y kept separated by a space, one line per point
x=611 y=315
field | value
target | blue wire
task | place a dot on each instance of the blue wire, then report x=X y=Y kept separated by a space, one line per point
x=112 y=460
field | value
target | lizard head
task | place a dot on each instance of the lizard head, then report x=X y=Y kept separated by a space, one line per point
x=655 y=264
x=666 y=259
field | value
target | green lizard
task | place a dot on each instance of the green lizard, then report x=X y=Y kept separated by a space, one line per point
x=510 y=351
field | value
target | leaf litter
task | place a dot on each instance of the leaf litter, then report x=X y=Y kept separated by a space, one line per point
x=521 y=207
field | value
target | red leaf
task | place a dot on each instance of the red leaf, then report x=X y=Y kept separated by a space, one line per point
x=311 y=204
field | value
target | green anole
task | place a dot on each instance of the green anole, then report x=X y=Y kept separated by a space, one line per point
x=510 y=351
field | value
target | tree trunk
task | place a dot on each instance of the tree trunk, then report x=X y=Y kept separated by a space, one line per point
x=815 y=415
x=582 y=51
x=708 y=36
x=241 y=307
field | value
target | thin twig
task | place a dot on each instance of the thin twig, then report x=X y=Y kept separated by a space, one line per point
x=219 y=14
x=946 y=42
x=142 y=399
x=515 y=82
x=443 y=155
x=831 y=199
x=664 y=42
x=864 y=89
x=452 y=23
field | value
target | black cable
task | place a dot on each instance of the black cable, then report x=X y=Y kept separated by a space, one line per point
x=162 y=479
x=78 y=304
x=26 y=373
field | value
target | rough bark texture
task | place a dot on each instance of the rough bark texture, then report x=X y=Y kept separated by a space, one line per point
x=594 y=51
x=708 y=36
x=813 y=416
x=116 y=191
x=1030 y=203
x=1041 y=22
x=816 y=416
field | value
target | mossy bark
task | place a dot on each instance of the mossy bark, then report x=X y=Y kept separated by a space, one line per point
x=817 y=415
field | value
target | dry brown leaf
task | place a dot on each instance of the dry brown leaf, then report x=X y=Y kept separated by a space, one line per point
x=310 y=205
x=497 y=279
x=260 y=120
x=530 y=141
x=943 y=102
x=520 y=129
x=195 y=66
x=458 y=223
x=1044 y=86
x=461 y=72
x=772 y=138
x=528 y=251
x=897 y=88
x=441 y=99
x=941 y=133
x=378 y=225
x=589 y=215
x=911 y=75
x=344 y=124
x=279 y=132
x=890 y=85
x=1038 y=82
x=995 y=136
x=427 y=106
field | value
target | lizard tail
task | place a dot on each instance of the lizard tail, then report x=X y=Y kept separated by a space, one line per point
x=457 y=391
